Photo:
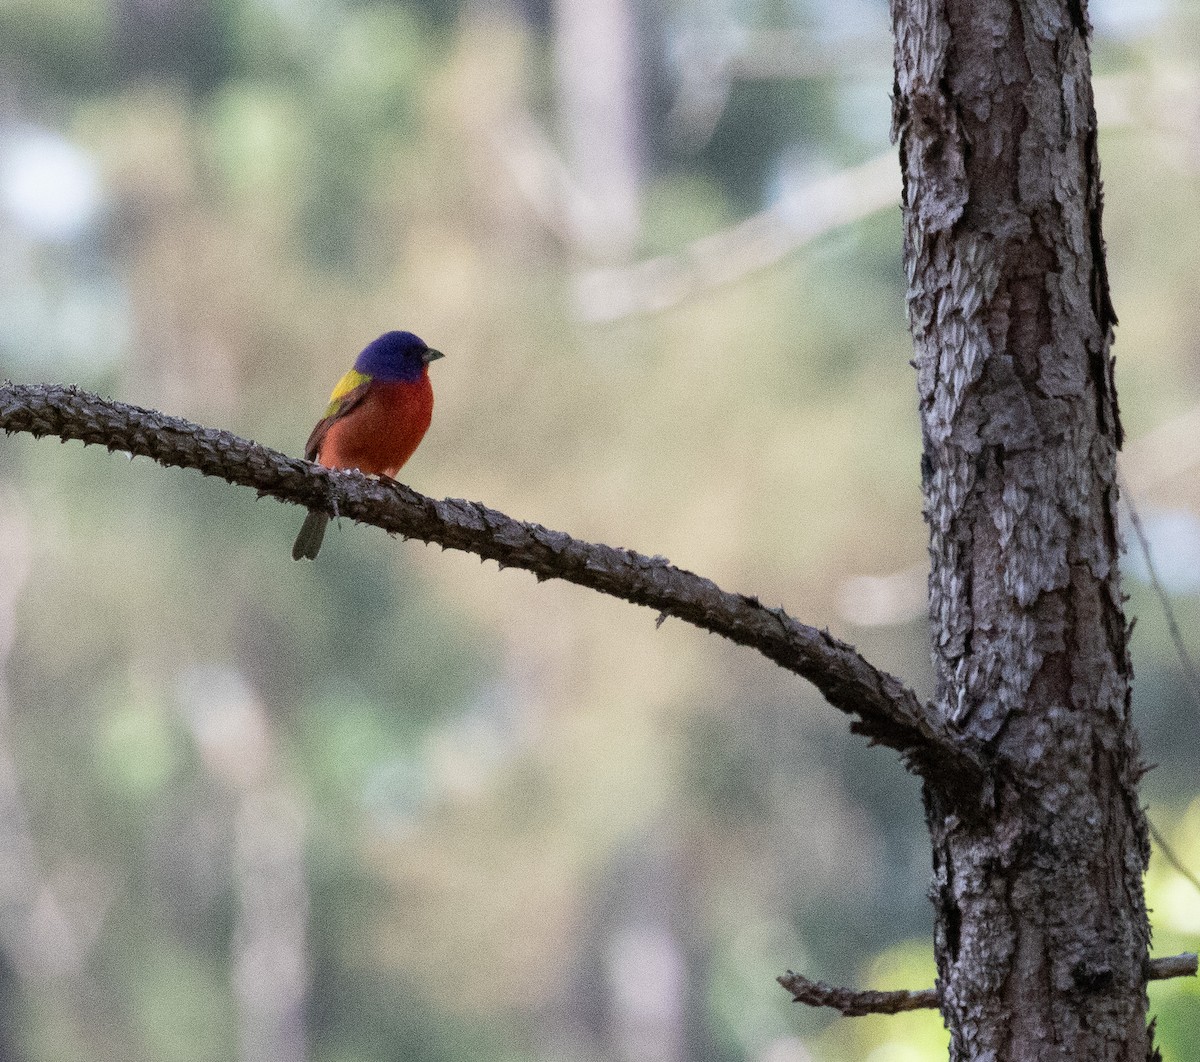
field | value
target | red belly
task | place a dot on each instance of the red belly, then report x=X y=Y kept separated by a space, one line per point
x=380 y=433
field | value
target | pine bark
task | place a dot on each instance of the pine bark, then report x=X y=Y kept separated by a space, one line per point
x=1042 y=932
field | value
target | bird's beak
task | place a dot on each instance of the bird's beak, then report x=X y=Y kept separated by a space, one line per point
x=431 y=355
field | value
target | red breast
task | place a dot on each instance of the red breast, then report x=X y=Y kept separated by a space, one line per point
x=380 y=433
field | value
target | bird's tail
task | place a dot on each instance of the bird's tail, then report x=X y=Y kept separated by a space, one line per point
x=312 y=534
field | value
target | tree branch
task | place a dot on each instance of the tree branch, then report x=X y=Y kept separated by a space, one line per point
x=1164 y=969
x=752 y=244
x=884 y=710
x=853 y=1004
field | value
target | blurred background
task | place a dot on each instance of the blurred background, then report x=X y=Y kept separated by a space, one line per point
x=395 y=804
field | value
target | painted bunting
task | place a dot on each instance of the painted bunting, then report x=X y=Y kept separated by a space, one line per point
x=377 y=415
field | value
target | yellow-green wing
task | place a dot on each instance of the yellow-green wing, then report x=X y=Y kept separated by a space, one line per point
x=345 y=386
x=349 y=391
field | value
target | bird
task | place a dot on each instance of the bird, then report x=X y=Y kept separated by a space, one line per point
x=377 y=416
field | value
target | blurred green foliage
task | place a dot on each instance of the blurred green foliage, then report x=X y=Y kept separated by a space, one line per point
x=504 y=793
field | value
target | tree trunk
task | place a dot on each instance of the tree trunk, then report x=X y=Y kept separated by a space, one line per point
x=1042 y=933
x=595 y=44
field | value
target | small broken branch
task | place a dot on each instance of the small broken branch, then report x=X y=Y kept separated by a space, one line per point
x=853 y=1004
x=884 y=709
x=856 y=1004
x=1184 y=965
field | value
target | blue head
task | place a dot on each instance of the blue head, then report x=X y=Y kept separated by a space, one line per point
x=396 y=356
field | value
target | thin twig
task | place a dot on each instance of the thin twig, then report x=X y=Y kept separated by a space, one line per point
x=1185 y=658
x=1185 y=661
x=884 y=709
x=852 y=1004
x=1168 y=853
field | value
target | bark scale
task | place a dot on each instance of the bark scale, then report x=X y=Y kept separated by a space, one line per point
x=1042 y=932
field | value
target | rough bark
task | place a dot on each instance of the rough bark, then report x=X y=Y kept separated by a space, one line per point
x=1042 y=932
